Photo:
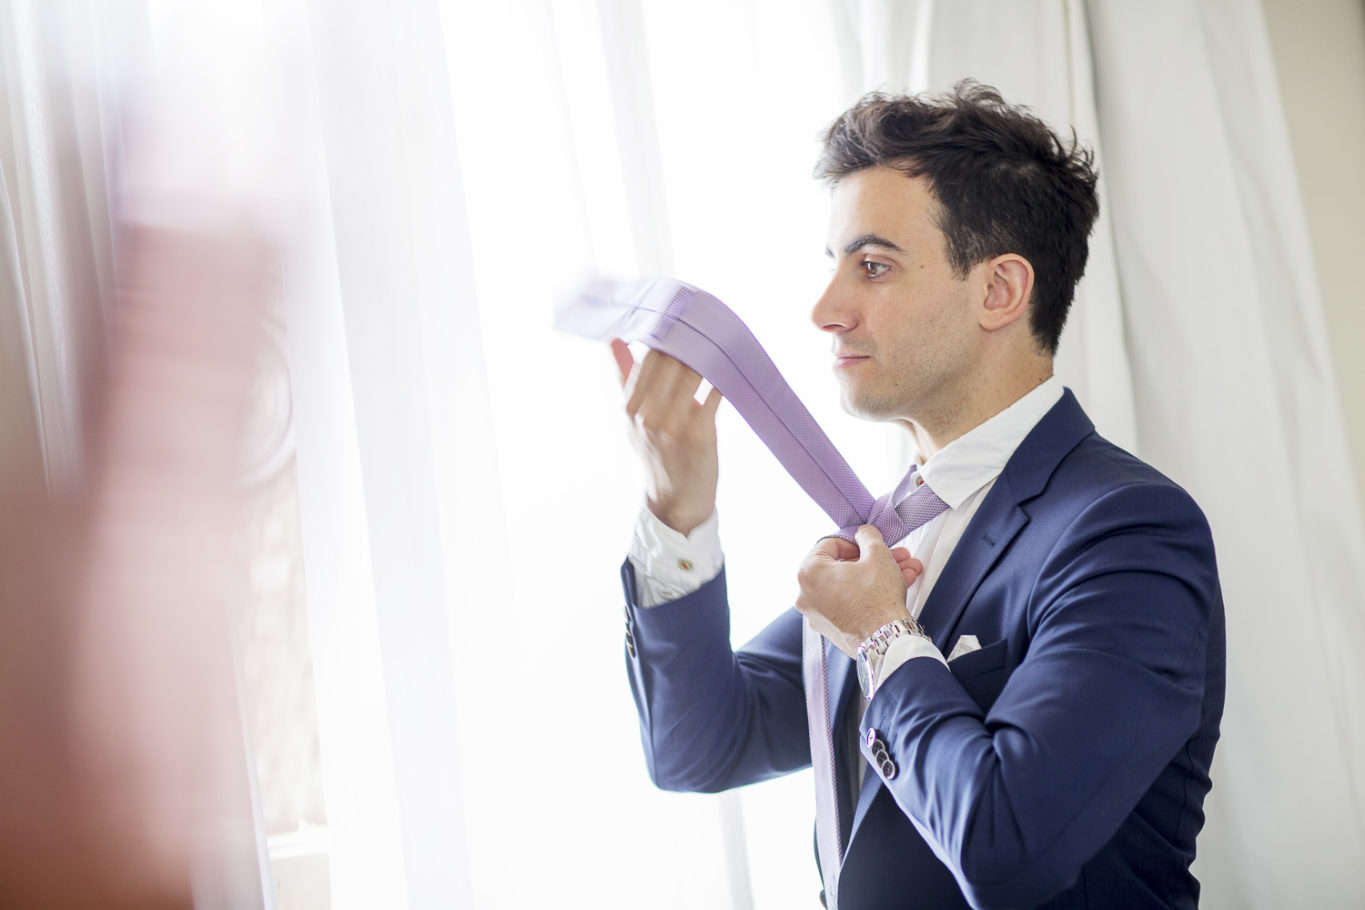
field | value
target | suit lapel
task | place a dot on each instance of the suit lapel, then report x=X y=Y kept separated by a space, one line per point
x=1002 y=515
x=987 y=536
x=1000 y=518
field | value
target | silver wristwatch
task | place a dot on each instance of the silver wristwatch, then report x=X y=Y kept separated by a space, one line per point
x=873 y=650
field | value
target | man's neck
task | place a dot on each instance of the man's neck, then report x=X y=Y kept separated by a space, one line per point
x=937 y=429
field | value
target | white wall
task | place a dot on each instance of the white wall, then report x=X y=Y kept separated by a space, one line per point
x=1319 y=48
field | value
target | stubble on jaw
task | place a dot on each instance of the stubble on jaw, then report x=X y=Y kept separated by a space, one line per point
x=886 y=402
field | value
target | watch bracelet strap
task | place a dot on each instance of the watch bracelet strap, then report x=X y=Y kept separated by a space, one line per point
x=881 y=640
x=896 y=628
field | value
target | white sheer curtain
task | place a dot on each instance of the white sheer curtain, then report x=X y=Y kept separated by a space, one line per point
x=54 y=228
x=1199 y=340
x=465 y=483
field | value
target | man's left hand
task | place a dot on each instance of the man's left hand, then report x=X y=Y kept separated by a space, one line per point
x=849 y=591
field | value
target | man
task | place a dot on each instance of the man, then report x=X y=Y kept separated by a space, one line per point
x=1041 y=663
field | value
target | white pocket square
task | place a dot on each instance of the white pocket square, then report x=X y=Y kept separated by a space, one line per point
x=966 y=644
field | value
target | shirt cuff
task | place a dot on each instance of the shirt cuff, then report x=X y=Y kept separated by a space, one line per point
x=669 y=565
x=903 y=650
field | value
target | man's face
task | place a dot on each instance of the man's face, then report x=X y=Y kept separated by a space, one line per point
x=904 y=329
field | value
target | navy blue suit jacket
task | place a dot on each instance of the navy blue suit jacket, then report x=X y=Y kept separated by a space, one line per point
x=1064 y=764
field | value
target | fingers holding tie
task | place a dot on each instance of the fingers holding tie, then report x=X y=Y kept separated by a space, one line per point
x=871 y=545
x=837 y=549
x=625 y=362
x=849 y=591
x=674 y=434
x=911 y=568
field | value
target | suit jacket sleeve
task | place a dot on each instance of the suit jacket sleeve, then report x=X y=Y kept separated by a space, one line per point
x=1016 y=799
x=712 y=718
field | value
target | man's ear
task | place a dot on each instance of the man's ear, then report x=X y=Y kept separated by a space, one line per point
x=1009 y=284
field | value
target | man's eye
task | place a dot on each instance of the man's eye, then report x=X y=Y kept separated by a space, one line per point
x=874 y=269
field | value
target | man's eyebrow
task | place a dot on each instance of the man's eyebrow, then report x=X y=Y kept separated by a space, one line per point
x=862 y=240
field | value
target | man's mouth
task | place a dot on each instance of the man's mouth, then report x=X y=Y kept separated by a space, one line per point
x=843 y=361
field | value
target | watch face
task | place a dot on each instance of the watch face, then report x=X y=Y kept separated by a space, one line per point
x=864 y=677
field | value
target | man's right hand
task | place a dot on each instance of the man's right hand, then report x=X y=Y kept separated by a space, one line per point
x=674 y=434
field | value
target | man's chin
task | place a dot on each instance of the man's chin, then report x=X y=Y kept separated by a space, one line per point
x=866 y=410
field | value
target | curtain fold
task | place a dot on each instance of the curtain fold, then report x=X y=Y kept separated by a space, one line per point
x=54 y=216
x=1237 y=400
x=380 y=389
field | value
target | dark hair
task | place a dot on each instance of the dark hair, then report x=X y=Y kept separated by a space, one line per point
x=1003 y=180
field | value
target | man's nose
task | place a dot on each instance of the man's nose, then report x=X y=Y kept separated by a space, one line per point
x=832 y=313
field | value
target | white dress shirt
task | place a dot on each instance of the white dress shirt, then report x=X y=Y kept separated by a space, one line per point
x=669 y=565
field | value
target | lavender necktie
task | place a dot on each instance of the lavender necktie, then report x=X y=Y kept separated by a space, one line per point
x=687 y=323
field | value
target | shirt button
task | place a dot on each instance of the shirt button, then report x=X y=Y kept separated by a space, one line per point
x=685 y=565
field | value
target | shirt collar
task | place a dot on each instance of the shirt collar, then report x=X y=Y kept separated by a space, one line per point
x=977 y=457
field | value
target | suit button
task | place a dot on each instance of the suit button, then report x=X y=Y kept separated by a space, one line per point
x=873 y=737
x=889 y=769
x=880 y=754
